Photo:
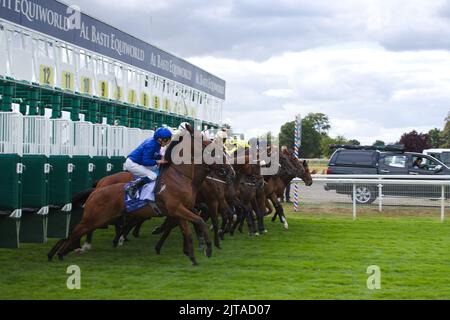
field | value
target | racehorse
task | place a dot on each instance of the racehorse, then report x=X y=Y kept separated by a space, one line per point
x=277 y=184
x=176 y=198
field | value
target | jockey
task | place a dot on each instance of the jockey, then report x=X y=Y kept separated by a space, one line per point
x=145 y=159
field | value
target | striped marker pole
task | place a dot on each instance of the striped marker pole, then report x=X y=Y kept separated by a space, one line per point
x=297 y=144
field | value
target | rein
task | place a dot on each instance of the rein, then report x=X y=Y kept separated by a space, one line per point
x=214 y=179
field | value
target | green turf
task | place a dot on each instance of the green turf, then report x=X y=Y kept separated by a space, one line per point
x=320 y=257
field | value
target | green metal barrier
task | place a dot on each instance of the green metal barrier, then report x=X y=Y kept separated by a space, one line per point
x=60 y=186
x=81 y=180
x=100 y=167
x=10 y=200
x=116 y=164
x=36 y=197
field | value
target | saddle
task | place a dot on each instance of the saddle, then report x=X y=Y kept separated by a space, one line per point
x=146 y=195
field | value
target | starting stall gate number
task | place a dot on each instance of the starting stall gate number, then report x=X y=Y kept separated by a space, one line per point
x=68 y=81
x=104 y=92
x=47 y=75
x=155 y=102
x=86 y=85
x=118 y=93
x=132 y=97
x=144 y=100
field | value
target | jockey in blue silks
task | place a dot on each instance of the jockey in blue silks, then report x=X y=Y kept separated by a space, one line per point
x=143 y=162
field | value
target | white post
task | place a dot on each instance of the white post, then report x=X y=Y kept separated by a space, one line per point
x=354 y=201
x=380 y=197
x=442 y=203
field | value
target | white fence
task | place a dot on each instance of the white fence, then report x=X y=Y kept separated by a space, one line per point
x=39 y=135
x=406 y=191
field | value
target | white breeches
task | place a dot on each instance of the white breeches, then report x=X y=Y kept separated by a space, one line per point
x=140 y=170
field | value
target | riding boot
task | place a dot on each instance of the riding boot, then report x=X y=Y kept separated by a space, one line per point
x=134 y=186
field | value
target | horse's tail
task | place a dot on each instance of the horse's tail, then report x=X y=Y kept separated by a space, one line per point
x=80 y=198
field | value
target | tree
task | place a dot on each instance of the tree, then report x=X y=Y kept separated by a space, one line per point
x=435 y=138
x=286 y=136
x=319 y=121
x=379 y=144
x=414 y=141
x=354 y=142
x=445 y=135
x=327 y=141
x=311 y=137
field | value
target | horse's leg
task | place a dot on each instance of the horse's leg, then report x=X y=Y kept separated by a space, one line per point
x=137 y=228
x=235 y=224
x=182 y=212
x=55 y=249
x=188 y=246
x=213 y=210
x=73 y=241
x=119 y=226
x=280 y=211
x=199 y=233
x=250 y=219
x=88 y=243
x=259 y=216
x=169 y=225
x=268 y=208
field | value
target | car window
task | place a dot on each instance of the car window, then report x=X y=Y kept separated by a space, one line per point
x=397 y=161
x=351 y=157
x=445 y=158
x=427 y=163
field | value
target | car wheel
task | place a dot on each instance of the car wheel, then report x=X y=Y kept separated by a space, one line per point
x=364 y=195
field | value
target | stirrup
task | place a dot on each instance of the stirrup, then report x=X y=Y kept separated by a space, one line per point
x=131 y=191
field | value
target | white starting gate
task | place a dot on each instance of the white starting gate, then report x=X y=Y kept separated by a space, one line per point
x=100 y=141
x=36 y=135
x=117 y=141
x=62 y=137
x=134 y=139
x=11 y=133
x=83 y=138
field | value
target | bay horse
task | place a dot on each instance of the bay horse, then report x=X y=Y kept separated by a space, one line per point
x=277 y=184
x=176 y=198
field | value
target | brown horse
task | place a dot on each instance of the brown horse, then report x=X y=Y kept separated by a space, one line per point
x=176 y=198
x=277 y=184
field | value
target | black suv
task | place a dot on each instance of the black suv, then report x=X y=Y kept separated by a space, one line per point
x=390 y=160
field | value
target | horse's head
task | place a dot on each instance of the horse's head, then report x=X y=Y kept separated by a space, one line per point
x=288 y=166
x=301 y=168
x=306 y=177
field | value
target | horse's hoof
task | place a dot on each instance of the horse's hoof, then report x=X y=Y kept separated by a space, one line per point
x=157 y=230
x=266 y=231
x=49 y=258
x=79 y=251
x=86 y=246
x=195 y=264
x=218 y=246
x=61 y=257
x=158 y=251
x=121 y=241
x=257 y=234
x=208 y=252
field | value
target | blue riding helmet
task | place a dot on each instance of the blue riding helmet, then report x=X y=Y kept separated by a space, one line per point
x=162 y=133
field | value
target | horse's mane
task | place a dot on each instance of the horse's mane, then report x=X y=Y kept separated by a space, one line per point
x=168 y=153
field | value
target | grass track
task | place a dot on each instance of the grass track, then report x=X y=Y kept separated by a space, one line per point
x=322 y=256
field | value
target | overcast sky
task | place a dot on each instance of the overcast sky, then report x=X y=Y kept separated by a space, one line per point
x=378 y=68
